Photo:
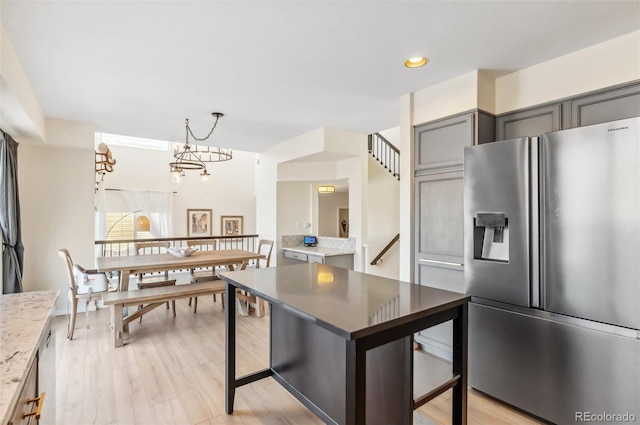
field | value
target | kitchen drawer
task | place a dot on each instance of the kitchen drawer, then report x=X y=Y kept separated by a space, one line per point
x=294 y=255
x=47 y=375
x=315 y=259
x=26 y=402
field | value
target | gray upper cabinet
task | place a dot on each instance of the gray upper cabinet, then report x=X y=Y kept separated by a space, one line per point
x=441 y=144
x=611 y=105
x=530 y=122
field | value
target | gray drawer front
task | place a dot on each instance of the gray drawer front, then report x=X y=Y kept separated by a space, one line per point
x=315 y=259
x=295 y=255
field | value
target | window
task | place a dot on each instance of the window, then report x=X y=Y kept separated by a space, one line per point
x=119 y=225
x=131 y=142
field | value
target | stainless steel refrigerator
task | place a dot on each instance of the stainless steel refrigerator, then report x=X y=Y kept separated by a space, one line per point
x=552 y=262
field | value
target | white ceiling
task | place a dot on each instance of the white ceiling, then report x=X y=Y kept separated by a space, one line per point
x=278 y=69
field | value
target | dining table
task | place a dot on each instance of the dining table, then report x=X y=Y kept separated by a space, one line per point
x=127 y=265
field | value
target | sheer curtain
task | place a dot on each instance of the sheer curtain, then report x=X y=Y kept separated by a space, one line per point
x=101 y=217
x=157 y=206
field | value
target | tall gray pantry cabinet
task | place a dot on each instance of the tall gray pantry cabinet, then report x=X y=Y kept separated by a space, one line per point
x=438 y=250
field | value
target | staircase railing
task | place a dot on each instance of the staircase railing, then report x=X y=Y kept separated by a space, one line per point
x=395 y=239
x=385 y=153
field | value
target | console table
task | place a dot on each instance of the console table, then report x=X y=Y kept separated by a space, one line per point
x=342 y=341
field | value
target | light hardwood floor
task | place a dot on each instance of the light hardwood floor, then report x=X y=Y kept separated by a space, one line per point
x=172 y=372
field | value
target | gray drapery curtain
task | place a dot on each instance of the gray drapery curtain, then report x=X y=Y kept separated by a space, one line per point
x=12 y=249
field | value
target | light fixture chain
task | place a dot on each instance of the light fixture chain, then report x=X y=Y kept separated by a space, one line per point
x=204 y=138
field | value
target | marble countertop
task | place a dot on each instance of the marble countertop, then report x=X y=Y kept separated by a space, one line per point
x=317 y=250
x=23 y=318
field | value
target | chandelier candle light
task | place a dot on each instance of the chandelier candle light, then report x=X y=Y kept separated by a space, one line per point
x=193 y=157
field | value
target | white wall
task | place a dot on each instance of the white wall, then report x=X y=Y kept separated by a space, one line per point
x=230 y=191
x=328 y=206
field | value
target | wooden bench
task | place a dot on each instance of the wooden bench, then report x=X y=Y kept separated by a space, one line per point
x=152 y=297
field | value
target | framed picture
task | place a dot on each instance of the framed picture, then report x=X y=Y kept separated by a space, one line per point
x=231 y=225
x=199 y=222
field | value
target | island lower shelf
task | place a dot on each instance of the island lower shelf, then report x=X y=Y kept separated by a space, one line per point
x=312 y=361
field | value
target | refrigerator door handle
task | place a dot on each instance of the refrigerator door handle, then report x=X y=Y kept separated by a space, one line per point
x=534 y=217
x=444 y=263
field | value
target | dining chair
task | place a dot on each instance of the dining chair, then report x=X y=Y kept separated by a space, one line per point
x=207 y=274
x=88 y=285
x=150 y=280
x=265 y=247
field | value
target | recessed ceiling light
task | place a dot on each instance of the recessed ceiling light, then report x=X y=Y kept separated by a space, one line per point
x=416 y=62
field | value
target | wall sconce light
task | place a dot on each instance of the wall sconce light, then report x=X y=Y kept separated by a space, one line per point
x=326 y=189
x=104 y=161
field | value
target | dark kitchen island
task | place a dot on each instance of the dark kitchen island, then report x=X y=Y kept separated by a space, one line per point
x=342 y=341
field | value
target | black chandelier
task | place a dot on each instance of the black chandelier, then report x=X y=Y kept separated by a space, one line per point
x=194 y=157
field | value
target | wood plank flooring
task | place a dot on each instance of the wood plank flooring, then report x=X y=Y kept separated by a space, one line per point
x=172 y=372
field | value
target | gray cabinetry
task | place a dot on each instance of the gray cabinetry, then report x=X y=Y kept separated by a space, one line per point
x=344 y=261
x=297 y=256
x=439 y=231
x=611 y=105
x=315 y=259
x=606 y=105
x=439 y=152
x=530 y=122
x=439 y=243
x=440 y=144
x=36 y=403
x=47 y=375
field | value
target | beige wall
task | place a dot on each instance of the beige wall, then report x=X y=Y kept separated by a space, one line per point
x=603 y=65
x=56 y=200
x=406 y=222
x=447 y=98
x=384 y=213
x=294 y=208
